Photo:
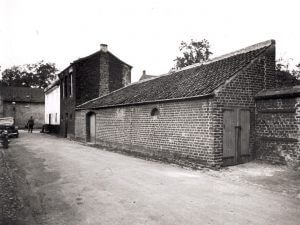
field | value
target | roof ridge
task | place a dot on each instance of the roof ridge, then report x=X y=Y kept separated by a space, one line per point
x=227 y=55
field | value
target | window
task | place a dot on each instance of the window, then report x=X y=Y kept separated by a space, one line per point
x=71 y=85
x=63 y=88
x=66 y=86
x=154 y=113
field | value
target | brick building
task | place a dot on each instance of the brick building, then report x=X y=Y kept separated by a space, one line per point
x=87 y=78
x=204 y=113
x=21 y=103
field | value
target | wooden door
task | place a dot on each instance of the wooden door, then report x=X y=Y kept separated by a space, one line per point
x=229 y=145
x=245 y=131
x=236 y=135
x=92 y=128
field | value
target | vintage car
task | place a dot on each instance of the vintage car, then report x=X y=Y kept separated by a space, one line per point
x=7 y=124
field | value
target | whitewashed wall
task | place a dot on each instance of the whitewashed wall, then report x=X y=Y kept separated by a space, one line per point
x=52 y=105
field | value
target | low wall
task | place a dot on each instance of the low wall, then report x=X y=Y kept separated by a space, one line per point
x=278 y=130
x=22 y=111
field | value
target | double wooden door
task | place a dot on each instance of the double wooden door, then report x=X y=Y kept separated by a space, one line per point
x=236 y=135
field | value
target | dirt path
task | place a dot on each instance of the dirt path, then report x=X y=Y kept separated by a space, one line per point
x=63 y=182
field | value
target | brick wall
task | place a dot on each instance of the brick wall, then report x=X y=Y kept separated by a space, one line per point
x=22 y=112
x=87 y=79
x=92 y=77
x=190 y=129
x=239 y=92
x=104 y=73
x=278 y=130
x=181 y=130
x=67 y=104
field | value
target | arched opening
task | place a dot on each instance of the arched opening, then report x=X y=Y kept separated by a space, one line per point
x=91 y=127
x=154 y=113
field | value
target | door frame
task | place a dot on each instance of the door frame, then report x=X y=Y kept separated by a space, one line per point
x=88 y=128
x=238 y=156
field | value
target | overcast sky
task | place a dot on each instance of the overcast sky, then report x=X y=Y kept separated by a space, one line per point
x=144 y=34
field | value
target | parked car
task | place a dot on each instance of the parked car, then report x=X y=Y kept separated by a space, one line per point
x=7 y=124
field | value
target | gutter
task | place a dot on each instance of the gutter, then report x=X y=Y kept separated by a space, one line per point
x=150 y=102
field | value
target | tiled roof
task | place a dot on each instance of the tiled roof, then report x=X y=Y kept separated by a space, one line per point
x=22 y=94
x=193 y=81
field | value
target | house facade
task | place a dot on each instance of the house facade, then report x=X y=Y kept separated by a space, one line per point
x=87 y=78
x=204 y=113
x=21 y=103
x=52 y=104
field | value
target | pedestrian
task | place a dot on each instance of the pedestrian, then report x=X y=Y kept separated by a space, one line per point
x=30 y=124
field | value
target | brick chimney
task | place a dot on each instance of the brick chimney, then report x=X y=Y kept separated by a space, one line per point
x=103 y=47
x=104 y=70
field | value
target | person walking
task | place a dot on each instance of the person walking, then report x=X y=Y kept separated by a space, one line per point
x=30 y=124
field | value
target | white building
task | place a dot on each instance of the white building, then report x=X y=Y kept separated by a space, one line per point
x=52 y=104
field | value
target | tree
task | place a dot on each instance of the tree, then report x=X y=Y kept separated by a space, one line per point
x=296 y=71
x=38 y=75
x=193 y=52
x=284 y=65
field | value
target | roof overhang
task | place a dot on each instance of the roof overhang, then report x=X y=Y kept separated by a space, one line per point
x=285 y=92
x=150 y=102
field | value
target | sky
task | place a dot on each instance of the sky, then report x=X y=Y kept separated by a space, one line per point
x=144 y=34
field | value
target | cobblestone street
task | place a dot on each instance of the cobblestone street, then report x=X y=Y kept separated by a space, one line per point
x=50 y=180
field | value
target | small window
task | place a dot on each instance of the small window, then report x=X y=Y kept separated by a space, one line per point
x=71 y=116
x=154 y=112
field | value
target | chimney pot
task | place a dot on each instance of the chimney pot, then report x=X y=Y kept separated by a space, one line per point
x=103 y=47
x=144 y=72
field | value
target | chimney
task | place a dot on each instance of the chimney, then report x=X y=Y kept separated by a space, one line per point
x=144 y=72
x=103 y=47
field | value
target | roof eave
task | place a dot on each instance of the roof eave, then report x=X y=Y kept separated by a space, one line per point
x=150 y=102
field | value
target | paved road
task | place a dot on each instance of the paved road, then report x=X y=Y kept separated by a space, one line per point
x=63 y=182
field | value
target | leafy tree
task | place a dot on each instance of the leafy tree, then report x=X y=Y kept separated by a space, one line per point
x=38 y=75
x=192 y=52
x=284 y=65
x=296 y=71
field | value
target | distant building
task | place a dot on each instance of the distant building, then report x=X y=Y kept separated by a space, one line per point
x=146 y=76
x=21 y=103
x=87 y=78
x=52 y=104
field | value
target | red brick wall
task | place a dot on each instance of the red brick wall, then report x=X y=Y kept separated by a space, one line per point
x=278 y=130
x=181 y=130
